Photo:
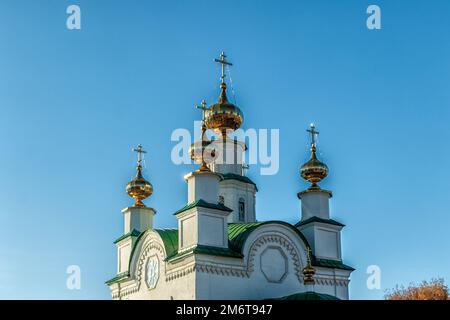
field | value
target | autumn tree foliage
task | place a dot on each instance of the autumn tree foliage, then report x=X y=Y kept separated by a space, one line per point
x=436 y=289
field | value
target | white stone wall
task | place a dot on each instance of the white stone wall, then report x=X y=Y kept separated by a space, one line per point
x=232 y=191
x=167 y=286
x=274 y=257
x=324 y=239
x=202 y=226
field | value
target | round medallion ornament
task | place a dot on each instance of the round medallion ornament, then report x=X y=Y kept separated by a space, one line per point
x=152 y=272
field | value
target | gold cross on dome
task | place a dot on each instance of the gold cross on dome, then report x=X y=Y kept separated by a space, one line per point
x=308 y=255
x=139 y=151
x=313 y=132
x=203 y=108
x=223 y=61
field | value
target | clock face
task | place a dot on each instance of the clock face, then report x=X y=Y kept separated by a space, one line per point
x=152 y=272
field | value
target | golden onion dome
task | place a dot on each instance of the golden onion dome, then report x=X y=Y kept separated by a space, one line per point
x=308 y=270
x=200 y=152
x=223 y=115
x=308 y=274
x=314 y=171
x=139 y=188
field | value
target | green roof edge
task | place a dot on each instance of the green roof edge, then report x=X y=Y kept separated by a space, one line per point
x=321 y=220
x=329 y=263
x=132 y=233
x=170 y=242
x=207 y=250
x=203 y=204
x=118 y=278
x=233 y=176
x=242 y=235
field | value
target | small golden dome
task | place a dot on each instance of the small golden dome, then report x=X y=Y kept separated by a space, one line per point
x=200 y=152
x=314 y=171
x=223 y=115
x=308 y=270
x=139 y=188
x=308 y=275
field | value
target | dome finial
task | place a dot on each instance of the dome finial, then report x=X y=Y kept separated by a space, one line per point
x=313 y=171
x=223 y=86
x=139 y=188
x=308 y=271
x=223 y=61
x=313 y=132
x=223 y=115
x=197 y=150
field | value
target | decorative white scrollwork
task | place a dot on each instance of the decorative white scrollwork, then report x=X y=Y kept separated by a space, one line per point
x=152 y=272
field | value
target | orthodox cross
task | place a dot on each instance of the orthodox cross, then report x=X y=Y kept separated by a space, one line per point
x=244 y=167
x=139 y=151
x=308 y=255
x=223 y=61
x=313 y=133
x=203 y=108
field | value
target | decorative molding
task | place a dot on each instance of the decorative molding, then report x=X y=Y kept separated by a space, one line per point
x=176 y=271
x=221 y=270
x=151 y=242
x=331 y=281
x=263 y=264
x=281 y=241
x=181 y=272
x=147 y=247
x=246 y=269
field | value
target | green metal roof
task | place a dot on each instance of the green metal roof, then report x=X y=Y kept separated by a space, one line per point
x=208 y=250
x=317 y=219
x=328 y=263
x=202 y=203
x=170 y=240
x=118 y=277
x=132 y=233
x=239 y=232
x=233 y=176
x=309 y=295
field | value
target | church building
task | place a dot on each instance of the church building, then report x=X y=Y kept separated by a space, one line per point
x=220 y=249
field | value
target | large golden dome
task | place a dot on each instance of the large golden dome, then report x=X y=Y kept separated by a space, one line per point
x=223 y=115
x=139 y=188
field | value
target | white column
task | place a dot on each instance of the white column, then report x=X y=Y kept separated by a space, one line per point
x=204 y=221
x=203 y=185
x=315 y=203
x=229 y=155
x=138 y=218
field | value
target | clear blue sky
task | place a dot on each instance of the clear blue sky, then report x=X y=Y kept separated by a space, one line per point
x=73 y=103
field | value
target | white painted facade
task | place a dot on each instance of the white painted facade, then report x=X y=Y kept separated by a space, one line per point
x=272 y=259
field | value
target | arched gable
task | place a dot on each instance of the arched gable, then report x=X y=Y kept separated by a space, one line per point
x=273 y=234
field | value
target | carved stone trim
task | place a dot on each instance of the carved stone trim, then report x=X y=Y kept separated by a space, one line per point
x=181 y=272
x=244 y=271
x=221 y=270
x=281 y=241
x=147 y=247
x=331 y=281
